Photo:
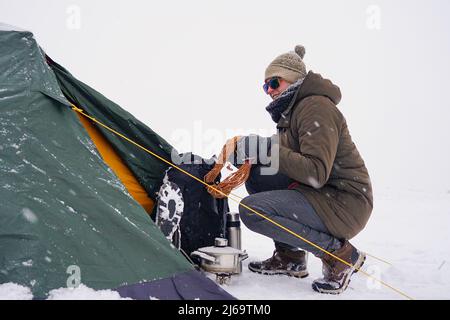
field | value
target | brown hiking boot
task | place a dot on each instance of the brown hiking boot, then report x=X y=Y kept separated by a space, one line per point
x=336 y=275
x=283 y=261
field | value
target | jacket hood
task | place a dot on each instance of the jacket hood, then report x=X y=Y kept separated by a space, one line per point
x=315 y=85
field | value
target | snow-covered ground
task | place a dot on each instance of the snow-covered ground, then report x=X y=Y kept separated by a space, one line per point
x=12 y=291
x=408 y=228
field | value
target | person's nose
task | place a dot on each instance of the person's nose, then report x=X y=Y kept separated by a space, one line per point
x=270 y=90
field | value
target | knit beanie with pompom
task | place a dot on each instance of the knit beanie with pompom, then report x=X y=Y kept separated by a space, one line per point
x=289 y=66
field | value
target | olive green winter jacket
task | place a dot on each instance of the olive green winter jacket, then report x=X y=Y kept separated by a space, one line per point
x=317 y=151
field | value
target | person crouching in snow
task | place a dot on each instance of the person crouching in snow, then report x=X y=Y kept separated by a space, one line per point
x=322 y=190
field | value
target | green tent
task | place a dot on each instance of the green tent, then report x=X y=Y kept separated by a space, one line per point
x=61 y=207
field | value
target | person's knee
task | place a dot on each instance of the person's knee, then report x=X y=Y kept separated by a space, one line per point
x=248 y=217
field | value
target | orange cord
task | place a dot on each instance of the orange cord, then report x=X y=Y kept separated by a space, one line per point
x=234 y=180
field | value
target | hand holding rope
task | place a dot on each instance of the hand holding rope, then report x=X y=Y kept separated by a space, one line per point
x=233 y=181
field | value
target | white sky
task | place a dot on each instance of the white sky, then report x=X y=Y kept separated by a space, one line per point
x=197 y=67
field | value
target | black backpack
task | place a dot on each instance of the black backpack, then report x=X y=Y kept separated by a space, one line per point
x=186 y=213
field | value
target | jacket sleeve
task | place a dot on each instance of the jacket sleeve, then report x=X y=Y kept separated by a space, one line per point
x=318 y=127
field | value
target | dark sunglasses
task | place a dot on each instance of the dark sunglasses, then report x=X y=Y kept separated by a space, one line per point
x=273 y=83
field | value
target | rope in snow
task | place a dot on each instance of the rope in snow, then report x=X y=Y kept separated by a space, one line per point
x=240 y=204
x=379 y=259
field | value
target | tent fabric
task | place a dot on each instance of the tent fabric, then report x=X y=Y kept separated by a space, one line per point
x=61 y=205
x=147 y=169
x=116 y=164
x=190 y=285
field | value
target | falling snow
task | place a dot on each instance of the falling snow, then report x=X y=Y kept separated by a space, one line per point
x=29 y=215
x=28 y=263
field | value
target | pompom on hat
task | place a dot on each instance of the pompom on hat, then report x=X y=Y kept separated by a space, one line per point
x=289 y=66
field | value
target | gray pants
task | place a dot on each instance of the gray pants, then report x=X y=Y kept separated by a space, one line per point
x=270 y=196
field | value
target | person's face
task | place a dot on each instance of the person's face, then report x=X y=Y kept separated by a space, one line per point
x=275 y=86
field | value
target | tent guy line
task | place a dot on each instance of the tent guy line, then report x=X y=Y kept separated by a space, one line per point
x=80 y=111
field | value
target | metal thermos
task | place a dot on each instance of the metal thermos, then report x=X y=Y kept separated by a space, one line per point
x=234 y=230
x=233 y=225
